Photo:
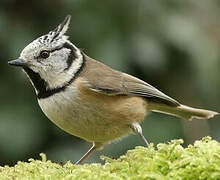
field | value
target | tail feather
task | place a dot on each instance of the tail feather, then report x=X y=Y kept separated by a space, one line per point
x=182 y=111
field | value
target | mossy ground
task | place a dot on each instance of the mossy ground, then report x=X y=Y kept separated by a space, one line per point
x=166 y=161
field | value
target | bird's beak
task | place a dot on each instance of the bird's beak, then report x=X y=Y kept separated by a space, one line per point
x=17 y=62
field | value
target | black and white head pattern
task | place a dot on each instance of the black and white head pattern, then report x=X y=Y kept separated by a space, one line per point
x=52 y=61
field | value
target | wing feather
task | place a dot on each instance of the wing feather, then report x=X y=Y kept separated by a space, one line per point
x=135 y=86
x=112 y=82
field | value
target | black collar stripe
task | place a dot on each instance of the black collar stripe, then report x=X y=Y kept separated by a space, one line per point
x=72 y=56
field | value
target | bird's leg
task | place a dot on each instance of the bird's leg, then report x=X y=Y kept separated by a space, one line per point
x=87 y=154
x=136 y=127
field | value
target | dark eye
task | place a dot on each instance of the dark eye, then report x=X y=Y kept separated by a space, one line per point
x=44 y=54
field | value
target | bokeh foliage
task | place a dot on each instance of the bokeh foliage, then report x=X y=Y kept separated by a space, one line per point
x=173 y=45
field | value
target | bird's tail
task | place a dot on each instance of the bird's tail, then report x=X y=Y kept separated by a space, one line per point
x=182 y=111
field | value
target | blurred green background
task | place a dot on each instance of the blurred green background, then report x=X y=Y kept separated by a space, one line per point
x=173 y=45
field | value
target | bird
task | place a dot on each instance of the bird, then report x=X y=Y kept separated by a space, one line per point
x=89 y=99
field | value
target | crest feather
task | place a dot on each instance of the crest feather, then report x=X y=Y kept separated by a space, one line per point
x=62 y=28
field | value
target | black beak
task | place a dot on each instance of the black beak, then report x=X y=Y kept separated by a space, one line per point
x=17 y=62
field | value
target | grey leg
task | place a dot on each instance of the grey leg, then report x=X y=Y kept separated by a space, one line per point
x=85 y=156
x=136 y=127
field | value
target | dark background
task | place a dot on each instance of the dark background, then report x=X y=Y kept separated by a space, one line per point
x=173 y=45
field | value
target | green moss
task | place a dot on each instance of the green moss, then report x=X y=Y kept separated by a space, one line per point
x=167 y=161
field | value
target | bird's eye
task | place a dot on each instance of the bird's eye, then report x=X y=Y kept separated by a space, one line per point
x=44 y=54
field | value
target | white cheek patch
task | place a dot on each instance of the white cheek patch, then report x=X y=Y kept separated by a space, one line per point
x=60 y=76
x=58 y=60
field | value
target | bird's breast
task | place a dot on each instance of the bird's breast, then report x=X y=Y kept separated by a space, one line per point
x=91 y=115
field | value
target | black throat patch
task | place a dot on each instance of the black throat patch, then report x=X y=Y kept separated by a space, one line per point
x=42 y=87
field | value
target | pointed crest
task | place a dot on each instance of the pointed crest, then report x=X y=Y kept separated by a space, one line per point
x=62 y=28
x=57 y=32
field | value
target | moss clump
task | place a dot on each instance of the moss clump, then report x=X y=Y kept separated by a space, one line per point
x=167 y=161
